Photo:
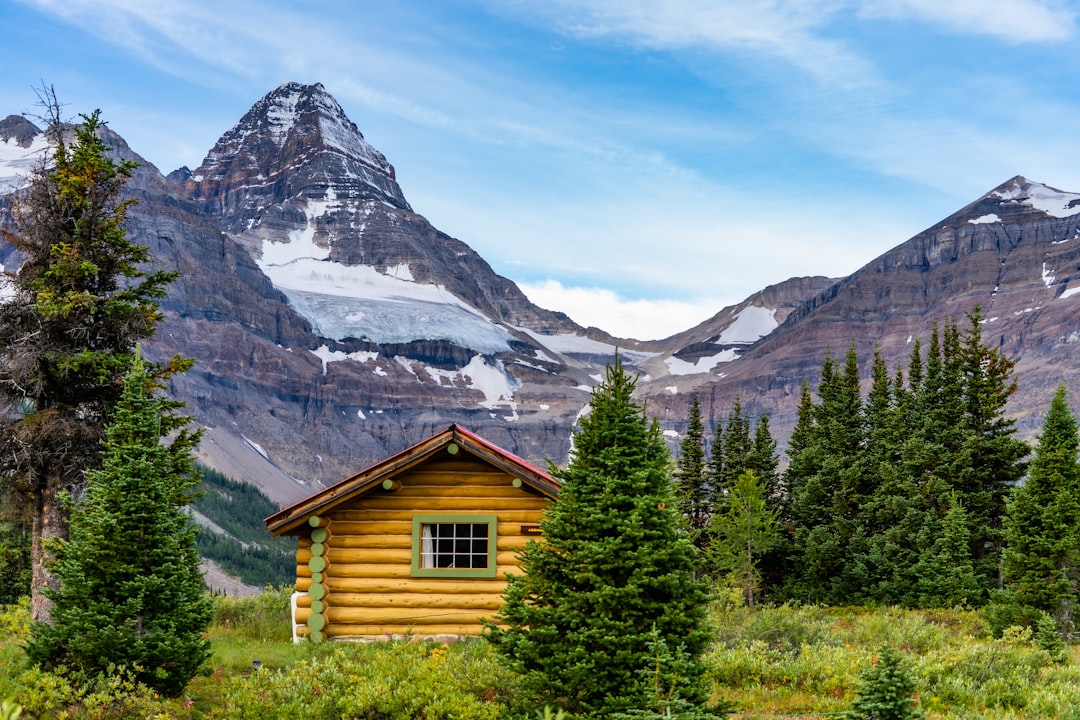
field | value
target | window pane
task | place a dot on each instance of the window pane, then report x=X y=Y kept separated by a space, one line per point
x=455 y=545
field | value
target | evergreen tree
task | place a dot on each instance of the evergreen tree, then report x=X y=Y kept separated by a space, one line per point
x=827 y=500
x=692 y=482
x=737 y=448
x=803 y=457
x=891 y=514
x=886 y=691
x=990 y=461
x=944 y=575
x=742 y=534
x=763 y=461
x=67 y=331
x=613 y=574
x=131 y=591
x=1041 y=560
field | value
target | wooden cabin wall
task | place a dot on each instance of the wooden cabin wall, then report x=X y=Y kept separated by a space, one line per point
x=369 y=588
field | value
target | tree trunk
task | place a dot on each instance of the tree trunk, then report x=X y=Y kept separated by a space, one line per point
x=50 y=523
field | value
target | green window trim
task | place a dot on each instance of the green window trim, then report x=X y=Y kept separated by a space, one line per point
x=444 y=519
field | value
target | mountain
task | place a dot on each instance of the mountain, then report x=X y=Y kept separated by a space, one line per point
x=333 y=325
x=1014 y=252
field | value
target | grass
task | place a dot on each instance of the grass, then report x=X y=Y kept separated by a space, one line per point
x=772 y=662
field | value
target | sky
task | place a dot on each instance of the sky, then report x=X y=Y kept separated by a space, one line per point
x=638 y=164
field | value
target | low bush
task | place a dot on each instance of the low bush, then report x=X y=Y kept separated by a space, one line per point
x=397 y=679
x=266 y=616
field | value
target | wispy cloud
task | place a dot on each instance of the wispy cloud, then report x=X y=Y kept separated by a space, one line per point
x=1014 y=21
x=786 y=30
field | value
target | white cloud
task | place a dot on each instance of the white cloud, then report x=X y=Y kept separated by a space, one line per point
x=639 y=319
x=785 y=29
x=1013 y=21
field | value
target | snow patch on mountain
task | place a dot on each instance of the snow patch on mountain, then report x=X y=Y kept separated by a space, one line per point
x=496 y=384
x=574 y=344
x=985 y=219
x=327 y=355
x=7 y=285
x=702 y=365
x=358 y=301
x=17 y=161
x=748 y=326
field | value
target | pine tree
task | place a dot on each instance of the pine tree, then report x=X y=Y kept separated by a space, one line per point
x=740 y=536
x=131 y=591
x=1041 y=560
x=613 y=574
x=891 y=514
x=67 y=332
x=692 y=487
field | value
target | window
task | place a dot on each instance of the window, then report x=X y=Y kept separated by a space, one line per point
x=453 y=546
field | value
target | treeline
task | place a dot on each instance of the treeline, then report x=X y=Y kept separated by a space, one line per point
x=909 y=496
x=249 y=552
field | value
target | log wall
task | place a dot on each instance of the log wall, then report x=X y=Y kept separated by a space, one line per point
x=354 y=569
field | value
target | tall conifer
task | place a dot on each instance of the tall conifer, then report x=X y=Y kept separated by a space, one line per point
x=1041 y=560
x=991 y=458
x=131 y=590
x=692 y=483
x=742 y=534
x=81 y=300
x=614 y=574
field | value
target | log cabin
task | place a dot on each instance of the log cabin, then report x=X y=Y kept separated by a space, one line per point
x=419 y=544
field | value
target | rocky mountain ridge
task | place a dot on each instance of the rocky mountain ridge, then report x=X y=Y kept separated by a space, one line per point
x=333 y=325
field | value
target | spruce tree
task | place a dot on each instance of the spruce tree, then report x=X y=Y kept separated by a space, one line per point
x=613 y=574
x=886 y=691
x=890 y=517
x=991 y=460
x=80 y=302
x=692 y=487
x=737 y=448
x=827 y=499
x=1041 y=560
x=763 y=461
x=944 y=576
x=131 y=591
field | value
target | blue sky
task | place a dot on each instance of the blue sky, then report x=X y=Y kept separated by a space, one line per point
x=639 y=164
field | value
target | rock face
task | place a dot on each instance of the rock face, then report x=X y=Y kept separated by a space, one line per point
x=332 y=325
x=1014 y=252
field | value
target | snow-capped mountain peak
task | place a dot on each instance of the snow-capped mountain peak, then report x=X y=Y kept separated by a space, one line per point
x=291 y=128
x=1019 y=196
